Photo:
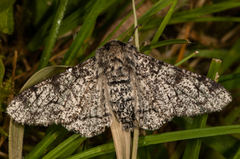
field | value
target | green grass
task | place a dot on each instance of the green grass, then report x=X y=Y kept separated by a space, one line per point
x=42 y=30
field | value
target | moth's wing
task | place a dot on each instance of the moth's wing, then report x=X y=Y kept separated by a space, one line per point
x=95 y=114
x=165 y=91
x=63 y=99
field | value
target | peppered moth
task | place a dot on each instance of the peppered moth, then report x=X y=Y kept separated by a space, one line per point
x=118 y=81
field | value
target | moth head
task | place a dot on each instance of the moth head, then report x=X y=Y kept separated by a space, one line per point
x=115 y=51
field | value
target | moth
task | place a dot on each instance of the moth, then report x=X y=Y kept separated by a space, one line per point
x=118 y=81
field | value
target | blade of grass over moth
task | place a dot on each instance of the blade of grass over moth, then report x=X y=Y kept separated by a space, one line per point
x=135 y=142
x=122 y=140
x=193 y=146
x=163 y=43
x=53 y=35
x=82 y=34
x=163 y=24
x=136 y=130
x=162 y=138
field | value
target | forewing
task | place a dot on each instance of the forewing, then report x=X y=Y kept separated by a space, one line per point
x=60 y=99
x=165 y=91
x=95 y=114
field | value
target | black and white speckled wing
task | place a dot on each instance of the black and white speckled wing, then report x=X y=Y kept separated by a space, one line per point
x=71 y=98
x=165 y=91
x=118 y=81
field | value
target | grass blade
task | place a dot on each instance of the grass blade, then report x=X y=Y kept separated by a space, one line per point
x=39 y=149
x=53 y=35
x=164 y=43
x=66 y=148
x=114 y=31
x=231 y=81
x=82 y=34
x=162 y=138
x=163 y=24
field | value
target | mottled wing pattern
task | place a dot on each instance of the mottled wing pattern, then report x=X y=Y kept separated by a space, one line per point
x=95 y=114
x=122 y=82
x=70 y=98
x=165 y=91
